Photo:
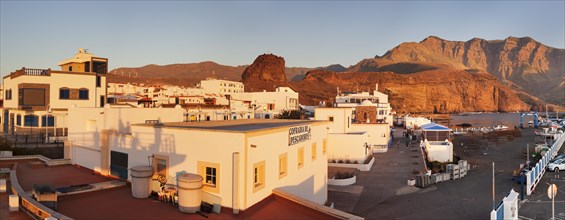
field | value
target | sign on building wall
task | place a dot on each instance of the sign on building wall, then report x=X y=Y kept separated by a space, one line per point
x=299 y=134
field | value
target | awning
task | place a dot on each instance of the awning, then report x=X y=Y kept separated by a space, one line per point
x=434 y=127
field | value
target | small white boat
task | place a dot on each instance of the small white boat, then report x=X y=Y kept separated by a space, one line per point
x=459 y=132
x=500 y=127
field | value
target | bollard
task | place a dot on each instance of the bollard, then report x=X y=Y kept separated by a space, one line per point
x=14 y=203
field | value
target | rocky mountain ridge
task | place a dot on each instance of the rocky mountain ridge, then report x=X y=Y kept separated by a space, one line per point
x=524 y=62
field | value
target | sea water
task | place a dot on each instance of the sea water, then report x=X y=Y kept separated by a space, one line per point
x=490 y=119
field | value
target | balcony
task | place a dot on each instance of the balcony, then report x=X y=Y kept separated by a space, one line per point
x=30 y=72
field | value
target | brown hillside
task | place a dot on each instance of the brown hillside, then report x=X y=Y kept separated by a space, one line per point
x=189 y=73
x=446 y=90
x=532 y=66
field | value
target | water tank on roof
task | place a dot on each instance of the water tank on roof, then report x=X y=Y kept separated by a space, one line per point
x=141 y=181
x=190 y=192
x=366 y=103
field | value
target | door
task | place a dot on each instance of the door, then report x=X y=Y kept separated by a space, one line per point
x=12 y=123
x=102 y=101
x=6 y=121
x=119 y=164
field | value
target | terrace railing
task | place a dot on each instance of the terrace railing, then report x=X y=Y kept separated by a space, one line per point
x=37 y=72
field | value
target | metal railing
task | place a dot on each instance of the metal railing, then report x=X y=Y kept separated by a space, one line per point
x=534 y=176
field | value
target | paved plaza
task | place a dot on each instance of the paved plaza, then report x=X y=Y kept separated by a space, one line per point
x=382 y=193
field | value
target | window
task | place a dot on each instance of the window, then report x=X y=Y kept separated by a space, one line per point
x=70 y=68
x=324 y=148
x=18 y=120
x=331 y=118
x=258 y=176
x=64 y=93
x=9 y=94
x=98 y=81
x=300 y=157
x=211 y=176
x=160 y=165
x=47 y=121
x=83 y=94
x=348 y=120
x=283 y=165
x=314 y=153
x=31 y=120
x=31 y=97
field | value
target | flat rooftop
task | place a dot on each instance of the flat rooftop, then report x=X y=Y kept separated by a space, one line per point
x=109 y=203
x=241 y=125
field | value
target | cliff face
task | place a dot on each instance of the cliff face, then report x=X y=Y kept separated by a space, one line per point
x=266 y=73
x=530 y=65
x=188 y=74
x=445 y=91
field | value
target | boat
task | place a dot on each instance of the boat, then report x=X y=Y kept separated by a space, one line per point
x=547 y=132
x=500 y=127
x=459 y=132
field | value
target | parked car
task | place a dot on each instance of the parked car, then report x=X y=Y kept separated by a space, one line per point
x=556 y=165
x=558 y=157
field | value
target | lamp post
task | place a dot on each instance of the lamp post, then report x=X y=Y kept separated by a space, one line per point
x=47 y=123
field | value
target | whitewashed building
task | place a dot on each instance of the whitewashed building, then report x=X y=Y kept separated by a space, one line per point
x=87 y=126
x=377 y=99
x=268 y=104
x=242 y=161
x=354 y=133
x=39 y=99
x=222 y=87
x=437 y=143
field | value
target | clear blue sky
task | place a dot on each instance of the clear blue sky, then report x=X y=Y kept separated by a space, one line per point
x=307 y=34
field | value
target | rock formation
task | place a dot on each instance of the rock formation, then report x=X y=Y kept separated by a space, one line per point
x=266 y=73
x=530 y=65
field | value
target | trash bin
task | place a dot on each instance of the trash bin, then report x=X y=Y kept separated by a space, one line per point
x=140 y=181
x=190 y=192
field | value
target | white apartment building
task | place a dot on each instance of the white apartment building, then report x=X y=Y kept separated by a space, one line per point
x=88 y=125
x=222 y=87
x=268 y=104
x=36 y=99
x=121 y=88
x=241 y=161
x=354 y=133
x=378 y=99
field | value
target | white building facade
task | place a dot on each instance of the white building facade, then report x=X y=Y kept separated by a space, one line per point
x=241 y=161
x=377 y=99
x=37 y=99
x=218 y=86
x=350 y=139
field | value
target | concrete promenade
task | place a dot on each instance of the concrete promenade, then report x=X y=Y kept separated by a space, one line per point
x=385 y=194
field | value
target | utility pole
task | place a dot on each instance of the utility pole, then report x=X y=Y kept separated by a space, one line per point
x=493 y=198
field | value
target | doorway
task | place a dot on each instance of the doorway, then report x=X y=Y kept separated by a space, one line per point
x=119 y=164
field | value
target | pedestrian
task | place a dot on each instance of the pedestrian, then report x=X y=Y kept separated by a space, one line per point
x=557 y=173
x=406 y=142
